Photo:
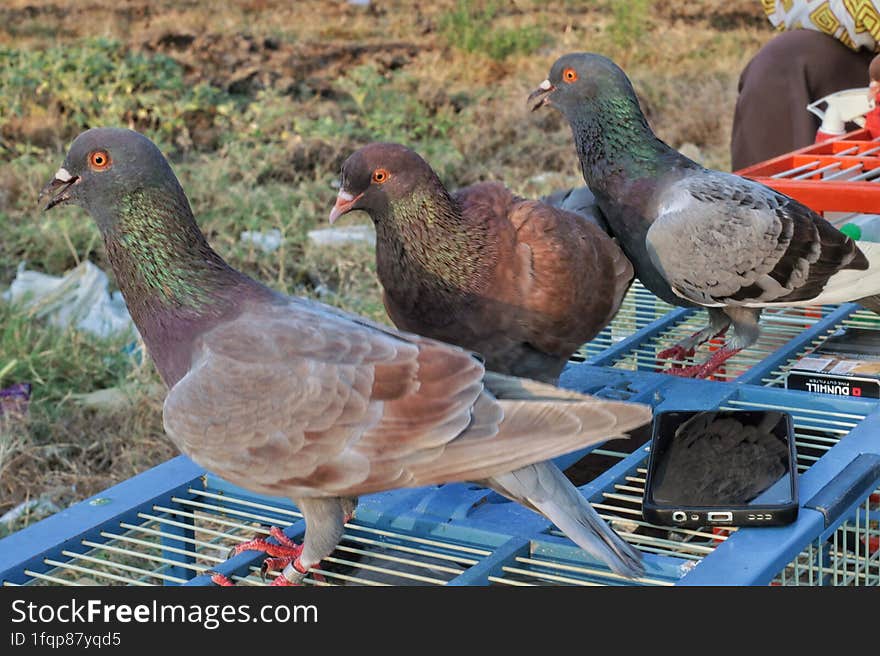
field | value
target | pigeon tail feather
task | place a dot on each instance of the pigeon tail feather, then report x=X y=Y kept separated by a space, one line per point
x=847 y=285
x=544 y=488
x=531 y=431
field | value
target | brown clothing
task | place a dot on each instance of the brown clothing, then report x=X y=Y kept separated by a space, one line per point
x=790 y=71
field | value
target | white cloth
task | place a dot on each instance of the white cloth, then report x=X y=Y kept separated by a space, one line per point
x=856 y=23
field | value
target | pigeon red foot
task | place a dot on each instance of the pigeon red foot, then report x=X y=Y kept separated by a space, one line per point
x=286 y=552
x=687 y=347
x=707 y=368
x=677 y=354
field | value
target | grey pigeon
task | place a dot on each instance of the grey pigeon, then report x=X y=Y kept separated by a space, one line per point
x=521 y=282
x=285 y=396
x=695 y=236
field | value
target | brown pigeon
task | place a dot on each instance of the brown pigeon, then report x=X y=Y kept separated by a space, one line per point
x=285 y=396
x=521 y=282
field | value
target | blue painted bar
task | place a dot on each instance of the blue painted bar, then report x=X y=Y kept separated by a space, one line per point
x=492 y=565
x=611 y=383
x=27 y=548
x=855 y=482
x=754 y=556
x=657 y=566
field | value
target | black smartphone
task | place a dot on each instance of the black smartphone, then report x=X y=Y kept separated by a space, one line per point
x=721 y=468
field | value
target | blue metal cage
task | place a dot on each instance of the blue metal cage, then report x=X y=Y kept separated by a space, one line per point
x=175 y=522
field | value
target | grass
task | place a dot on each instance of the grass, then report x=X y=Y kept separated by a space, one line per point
x=630 y=23
x=471 y=27
x=257 y=104
x=100 y=80
x=67 y=449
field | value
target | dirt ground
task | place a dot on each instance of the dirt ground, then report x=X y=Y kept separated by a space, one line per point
x=299 y=49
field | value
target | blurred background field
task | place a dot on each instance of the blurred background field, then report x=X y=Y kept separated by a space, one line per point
x=257 y=104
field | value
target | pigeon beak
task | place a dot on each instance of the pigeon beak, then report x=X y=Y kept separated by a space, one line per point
x=59 y=186
x=541 y=95
x=344 y=203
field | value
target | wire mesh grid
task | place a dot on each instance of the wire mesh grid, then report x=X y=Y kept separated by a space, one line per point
x=540 y=570
x=171 y=544
x=859 y=319
x=778 y=327
x=850 y=556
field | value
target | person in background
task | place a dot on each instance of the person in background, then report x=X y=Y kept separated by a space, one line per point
x=824 y=46
x=872 y=120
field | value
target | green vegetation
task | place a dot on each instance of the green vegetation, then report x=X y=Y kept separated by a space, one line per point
x=471 y=27
x=64 y=447
x=100 y=81
x=57 y=361
x=387 y=107
x=629 y=24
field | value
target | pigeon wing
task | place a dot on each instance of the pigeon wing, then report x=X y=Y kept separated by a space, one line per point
x=577 y=275
x=721 y=239
x=561 y=277
x=295 y=400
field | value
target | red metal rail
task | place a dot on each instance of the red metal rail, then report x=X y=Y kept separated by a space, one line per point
x=820 y=174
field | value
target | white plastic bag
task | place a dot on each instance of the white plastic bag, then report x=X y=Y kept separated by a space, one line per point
x=268 y=241
x=342 y=235
x=79 y=298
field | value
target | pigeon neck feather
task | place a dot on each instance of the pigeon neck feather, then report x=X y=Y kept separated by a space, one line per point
x=174 y=284
x=615 y=143
x=426 y=237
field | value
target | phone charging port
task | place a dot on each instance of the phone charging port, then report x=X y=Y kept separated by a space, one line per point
x=720 y=517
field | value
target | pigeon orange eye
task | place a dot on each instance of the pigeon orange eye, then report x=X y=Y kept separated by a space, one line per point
x=99 y=160
x=380 y=176
x=569 y=75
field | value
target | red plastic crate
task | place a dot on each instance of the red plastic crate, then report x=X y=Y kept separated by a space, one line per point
x=839 y=175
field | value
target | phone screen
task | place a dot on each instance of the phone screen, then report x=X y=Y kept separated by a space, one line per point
x=722 y=458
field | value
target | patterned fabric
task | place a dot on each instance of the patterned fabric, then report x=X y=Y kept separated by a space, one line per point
x=855 y=23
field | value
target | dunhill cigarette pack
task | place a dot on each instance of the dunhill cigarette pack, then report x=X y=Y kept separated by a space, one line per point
x=846 y=364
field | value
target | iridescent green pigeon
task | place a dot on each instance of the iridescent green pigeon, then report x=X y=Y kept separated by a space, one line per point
x=697 y=236
x=285 y=396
